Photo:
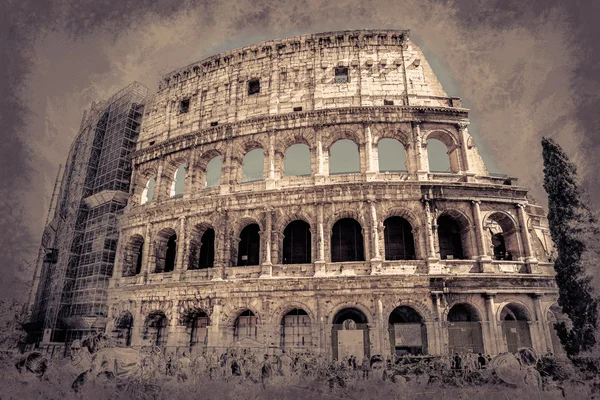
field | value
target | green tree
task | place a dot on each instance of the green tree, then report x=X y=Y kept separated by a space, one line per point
x=572 y=225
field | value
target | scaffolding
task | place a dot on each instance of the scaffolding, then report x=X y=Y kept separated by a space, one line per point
x=77 y=259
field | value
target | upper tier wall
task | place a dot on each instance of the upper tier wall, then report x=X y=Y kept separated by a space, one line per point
x=293 y=73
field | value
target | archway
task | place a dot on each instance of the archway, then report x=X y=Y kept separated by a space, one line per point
x=398 y=238
x=196 y=323
x=148 y=191
x=437 y=154
x=450 y=238
x=213 y=172
x=391 y=155
x=253 y=166
x=344 y=158
x=156 y=329
x=514 y=319
x=502 y=237
x=166 y=250
x=177 y=185
x=133 y=261
x=249 y=247
x=297 y=160
x=296 y=243
x=296 y=330
x=464 y=329
x=554 y=316
x=347 y=241
x=407 y=332
x=123 y=328
x=245 y=326
x=350 y=335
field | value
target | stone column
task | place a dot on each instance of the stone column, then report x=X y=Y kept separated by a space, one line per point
x=420 y=156
x=267 y=266
x=540 y=325
x=463 y=138
x=529 y=257
x=320 y=263
x=320 y=174
x=437 y=347
x=223 y=254
x=481 y=250
x=270 y=181
x=181 y=238
x=493 y=341
x=158 y=187
x=189 y=187
x=147 y=254
x=376 y=260
x=371 y=170
x=226 y=178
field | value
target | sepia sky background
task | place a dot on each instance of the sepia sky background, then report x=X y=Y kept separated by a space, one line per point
x=526 y=69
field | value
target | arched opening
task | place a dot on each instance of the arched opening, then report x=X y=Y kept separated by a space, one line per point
x=148 y=192
x=297 y=160
x=398 y=238
x=245 y=326
x=407 y=332
x=253 y=166
x=213 y=172
x=178 y=183
x=350 y=335
x=166 y=251
x=515 y=327
x=296 y=330
x=437 y=154
x=133 y=260
x=344 y=158
x=464 y=329
x=202 y=247
x=196 y=323
x=123 y=328
x=156 y=329
x=296 y=243
x=347 y=241
x=249 y=247
x=502 y=237
x=450 y=238
x=392 y=156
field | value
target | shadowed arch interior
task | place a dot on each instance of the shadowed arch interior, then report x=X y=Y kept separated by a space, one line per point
x=347 y=241
x=245 y=326
x=123 y=329
x=464 y=329
x=350 y=334
x=502 y=237
x=133 y=262
x=155 y=329
x=296 y=243
x=407 y=331
x=450 y=239
x=515 y=327
x=398 y=239
x=166 y=250
x=196 y=323
x=249 y=247
x=296 y=330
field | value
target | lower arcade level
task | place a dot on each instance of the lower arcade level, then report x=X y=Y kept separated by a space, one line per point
x=341 y=316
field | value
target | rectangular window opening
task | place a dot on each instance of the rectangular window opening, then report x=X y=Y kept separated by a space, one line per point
x=184 y=106
x=214 y=123
x=297 y=108
x=341 y=75
x=388 y=102
x=253 y=86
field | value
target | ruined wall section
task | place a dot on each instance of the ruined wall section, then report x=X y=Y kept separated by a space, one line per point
x=294 y=74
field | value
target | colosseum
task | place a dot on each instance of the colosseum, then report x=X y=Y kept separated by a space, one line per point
x=292 y=195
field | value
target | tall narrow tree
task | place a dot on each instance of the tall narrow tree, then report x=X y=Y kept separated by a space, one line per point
x=571 y=224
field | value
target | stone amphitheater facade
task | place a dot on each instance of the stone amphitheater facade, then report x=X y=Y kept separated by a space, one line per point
x=315 y=90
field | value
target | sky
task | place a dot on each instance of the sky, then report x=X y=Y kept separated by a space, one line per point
x=526 y=69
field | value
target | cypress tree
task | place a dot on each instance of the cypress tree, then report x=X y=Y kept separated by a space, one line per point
x=571 y=226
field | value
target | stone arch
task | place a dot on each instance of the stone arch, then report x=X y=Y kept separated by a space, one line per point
x=123 y=328
x=465 y=333
x=165 y=250
x=514 y=318
x=420 y=307
x=337 y=307
x=410 y=323
x=447 y=241
x=156 y=328
x=241 y=149
x=140 y=181
x=328 y=223
x=280 y=312
x=350 y=332
x=391 y=131
x=334 y=133
x=132 y=264
x=452 y=146
x=386 y=156
x=170 y=167
x=196 y=321
x=200 y=170
x=197 y=248
x=503 y=235
x=230 y=314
